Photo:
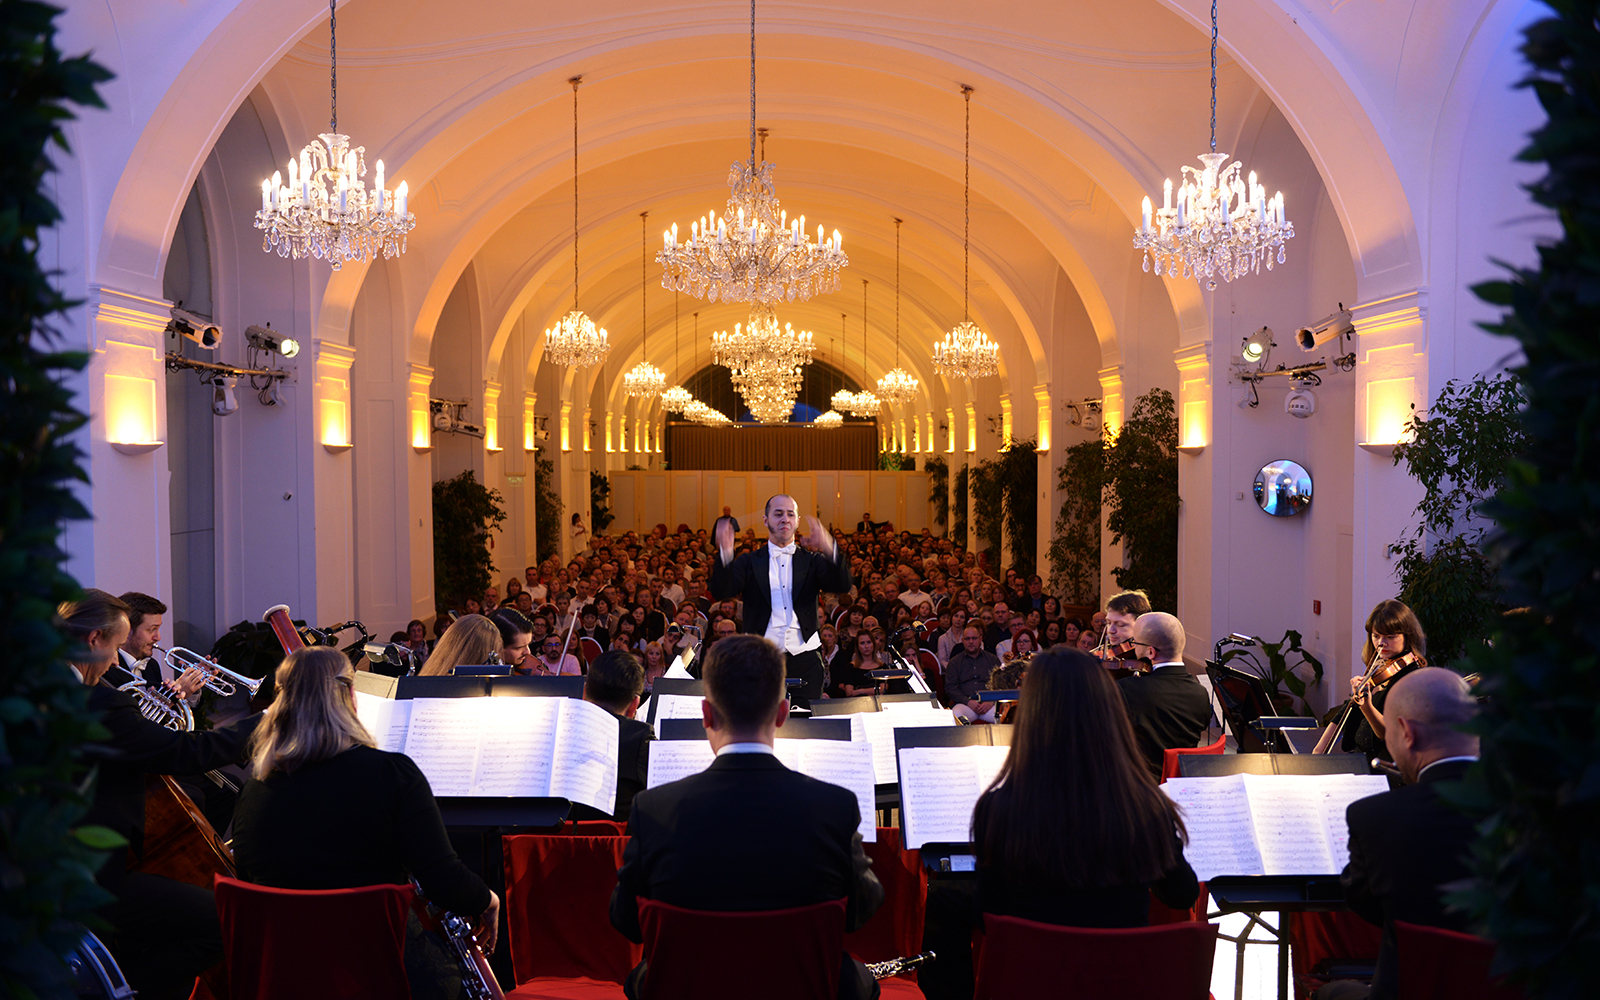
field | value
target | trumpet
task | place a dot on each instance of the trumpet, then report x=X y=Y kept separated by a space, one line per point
x=218 y=678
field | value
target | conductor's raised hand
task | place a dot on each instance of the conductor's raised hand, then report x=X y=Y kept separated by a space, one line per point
x=817 y=538
x=722 y=534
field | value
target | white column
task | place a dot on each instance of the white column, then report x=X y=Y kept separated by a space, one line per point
x=334 y=470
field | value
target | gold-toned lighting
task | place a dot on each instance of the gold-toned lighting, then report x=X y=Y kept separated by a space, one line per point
x=966 y=351
x=898 y=386
x=575 y=342
x=644 y=379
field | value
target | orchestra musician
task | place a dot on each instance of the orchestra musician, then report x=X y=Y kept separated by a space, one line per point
x=779 y=583
x=472 y=640
x=516 y=633
x=614 y=682
x=1393 y=636
x=326 y=809
x=165 y=931
x=1122 y=611
x=1168 y=708
x=1073 y=830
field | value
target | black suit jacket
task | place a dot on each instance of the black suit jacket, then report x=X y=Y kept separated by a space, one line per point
x=1404 y=846
x=745 y=834
x=746 y=578
x=1169 y=710
x=137 y=748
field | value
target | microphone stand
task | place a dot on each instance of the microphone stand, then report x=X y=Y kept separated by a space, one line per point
x=919 y=683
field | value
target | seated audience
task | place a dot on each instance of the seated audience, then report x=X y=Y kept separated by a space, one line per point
x=966 y=674
x=1074 y=831
x=551 y=662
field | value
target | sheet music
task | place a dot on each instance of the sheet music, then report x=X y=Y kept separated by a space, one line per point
x=938 y=788
x=385 y=718
x=1216 y=813
x=442 y=740
x=848 y=765
x=516 y=737
x=878 y=729
x=1290 y=829
x=678 y=706
x=583 y=767
x=1336 y=798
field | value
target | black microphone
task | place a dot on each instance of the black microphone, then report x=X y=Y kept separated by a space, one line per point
x=1242 y=640
x=913 y=627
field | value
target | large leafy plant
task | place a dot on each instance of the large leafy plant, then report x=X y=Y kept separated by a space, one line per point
x=46 y=890
x=547 y=507
x=1075 y=543
x=464 y=512
x=1141 y=496
x=939 y=490
x=1284 y=679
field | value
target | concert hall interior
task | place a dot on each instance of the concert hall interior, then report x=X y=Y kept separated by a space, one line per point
x=546 y=148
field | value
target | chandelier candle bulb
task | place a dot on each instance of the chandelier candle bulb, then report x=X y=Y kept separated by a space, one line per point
x=1144 y=227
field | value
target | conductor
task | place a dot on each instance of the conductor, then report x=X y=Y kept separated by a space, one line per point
x=779 y=583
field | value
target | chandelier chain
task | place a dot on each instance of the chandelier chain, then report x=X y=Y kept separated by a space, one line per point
x=333 y=64
x=575 y=81
x=966 y=209
x=752 y=84
x=897 y=293
x=1213 y=76
x=644 y=284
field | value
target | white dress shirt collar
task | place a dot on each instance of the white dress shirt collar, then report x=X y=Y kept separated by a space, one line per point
x=746 y=748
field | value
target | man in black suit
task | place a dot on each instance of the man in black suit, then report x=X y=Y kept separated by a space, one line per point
x=747 y=833
x=1168 y=707
x=614 y=682
x=1407 y=845
x=779 y=583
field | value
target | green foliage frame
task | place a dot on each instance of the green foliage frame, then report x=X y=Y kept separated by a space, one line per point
x=1075 y=542
x=1141 y=497
x=547 y=508
x=46 y=860
x=600 y=516
x=958 y=517
x=939 y=490
x=464 y=512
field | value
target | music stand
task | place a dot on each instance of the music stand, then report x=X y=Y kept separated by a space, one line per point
x=1244 y=702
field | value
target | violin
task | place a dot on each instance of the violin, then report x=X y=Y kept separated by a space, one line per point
x=1378 y=676
x=1124 y=653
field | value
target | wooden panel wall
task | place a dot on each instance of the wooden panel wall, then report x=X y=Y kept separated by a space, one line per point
x=642 y=499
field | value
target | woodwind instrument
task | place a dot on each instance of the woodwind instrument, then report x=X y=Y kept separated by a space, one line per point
x=477 y=980
x=288 y=636
x=895 y=966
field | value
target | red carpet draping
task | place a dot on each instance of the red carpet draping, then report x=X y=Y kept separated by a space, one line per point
x=558 y=894
x=895 y=931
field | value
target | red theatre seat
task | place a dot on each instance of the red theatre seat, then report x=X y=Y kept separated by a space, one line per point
x=791 y=954
x=895 y=931
x=1436 y=964
x=588 y=650
x=558 y=896
x=1024 y=959
x=1169 y=758
x=314 y=944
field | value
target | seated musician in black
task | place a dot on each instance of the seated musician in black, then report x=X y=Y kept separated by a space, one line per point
x=747 y=833
x=1394 y=635
x=325 y=809
x=1406 y=845
x=1074 y=831
x=1169 y=709
x=614 y=682
x=166 y=931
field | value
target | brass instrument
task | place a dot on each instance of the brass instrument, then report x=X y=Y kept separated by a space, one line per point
x=477 y=981
x=218 y=678
x=157 y=704
x=895 y=966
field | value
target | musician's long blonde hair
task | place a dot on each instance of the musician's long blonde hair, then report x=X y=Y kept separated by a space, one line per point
x=468 y=642
x=313 y=717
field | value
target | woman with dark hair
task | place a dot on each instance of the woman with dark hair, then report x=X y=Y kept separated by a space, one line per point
x=516 y=633
x=1073 y=831
x=325 y=809
x=1052 y=634
x=1393 y=633
x=1052 y=609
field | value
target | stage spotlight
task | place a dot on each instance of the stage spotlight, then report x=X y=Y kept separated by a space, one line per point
x=1337 y=324
x=1300 y=403
x=223 y=399
x=197 y=328
x=1258 y=346
x=264 y=338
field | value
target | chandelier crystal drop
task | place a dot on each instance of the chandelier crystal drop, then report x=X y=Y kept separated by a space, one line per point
x=644 y=379
x=576 y=342
x=1222 y=223
x=324 y=209
x=674 y=400
x=966 y=351
x=898 y=386
x=754 y=252
x=828 y=421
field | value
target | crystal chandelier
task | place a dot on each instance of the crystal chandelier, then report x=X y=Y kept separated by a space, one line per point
x=325 y=210
x=1220 y=225
x=575 y=342
x=828 y=421
x=676 y=398
x=765 y=362
x=842 y=399
x=644 y=379
x=898 y=386
x=966 y=351
x=754 y=252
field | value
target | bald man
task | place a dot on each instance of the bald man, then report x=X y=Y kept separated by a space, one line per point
x=1407 y=844
x=1168 y=707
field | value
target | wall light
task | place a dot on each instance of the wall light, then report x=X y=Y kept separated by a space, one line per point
x=1390 y=403
x=131 y=414
x=1193 y=436
x=421 y=438
x=335 y=428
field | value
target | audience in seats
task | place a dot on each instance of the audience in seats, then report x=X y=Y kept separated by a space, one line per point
x=966 y=674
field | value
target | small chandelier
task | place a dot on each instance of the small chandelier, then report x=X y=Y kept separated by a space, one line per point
x=764 y=361
x=1220 y=225
x=676 y=398
x=966 y=351
x=828 y=421
x=754 y=252
x=325 y=210
x=865 y=404
x=575 y=342
x=644 y=379
x=842 y=399
x=898 y=386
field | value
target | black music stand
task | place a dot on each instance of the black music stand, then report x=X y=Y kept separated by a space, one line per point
x=793 y=729
x=947 y=859
x=442 y=686
x=674 y=686
x=1247 y=707
x=516 y=686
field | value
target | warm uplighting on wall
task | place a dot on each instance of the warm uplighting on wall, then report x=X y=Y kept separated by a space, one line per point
x=950 y=431
x=609 y=449
x=333 y=416
x=1192 y=433
x=421 y=431
x=528 y=443
x=420 y=380
x=972 y=428
x=566 y=426
x=1389 y=406
x=491 y=419
x=1041 y=396
x=131 y=414
x=588 y=430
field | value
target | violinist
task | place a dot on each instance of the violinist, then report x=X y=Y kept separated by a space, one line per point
x=1167 y=706
x=1122 y=612
x=1395 y=647
x=166 y=931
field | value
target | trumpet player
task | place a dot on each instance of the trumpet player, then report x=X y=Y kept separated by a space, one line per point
x=138 y=653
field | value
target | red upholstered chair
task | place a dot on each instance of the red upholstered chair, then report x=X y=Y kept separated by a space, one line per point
x=895 y=931
x=1436 y=964
x=1023 y=959
x=1169 y=758
x=930 y=670
x=595 y=828
x=588 y=650
x=314 y=944
x=789 y=954
x=558 y=896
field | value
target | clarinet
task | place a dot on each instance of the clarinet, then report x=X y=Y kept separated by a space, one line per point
x=477 y=981
x=895 y=966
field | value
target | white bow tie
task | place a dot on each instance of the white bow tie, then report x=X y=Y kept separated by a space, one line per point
x=787 y=550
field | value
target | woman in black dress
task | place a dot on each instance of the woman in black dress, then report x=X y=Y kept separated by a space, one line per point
x=1393 y=634
x=1074 y=831
x=325 y=809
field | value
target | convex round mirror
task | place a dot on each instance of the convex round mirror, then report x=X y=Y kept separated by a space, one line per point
x=1283 y=488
